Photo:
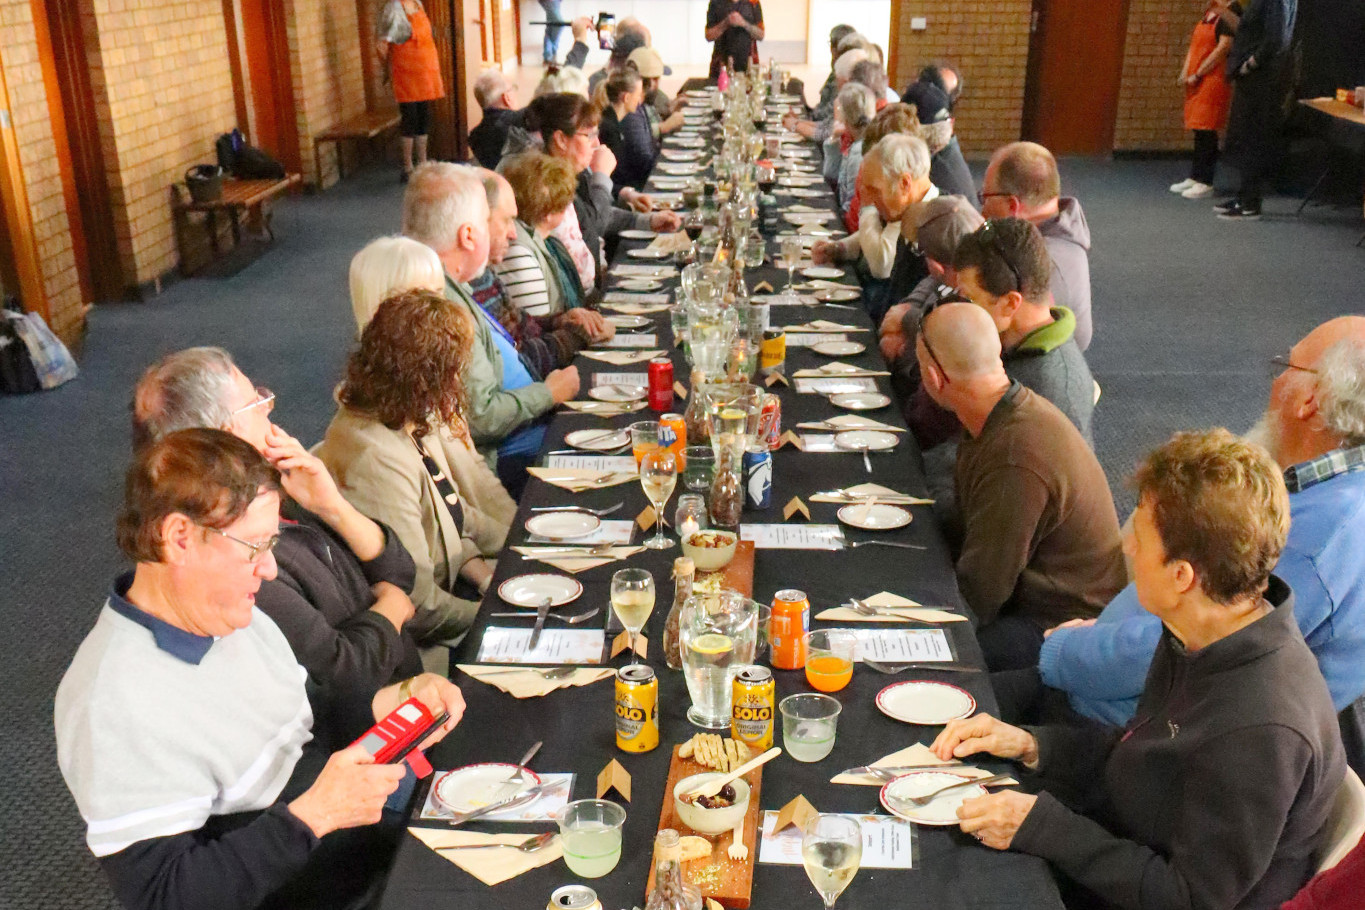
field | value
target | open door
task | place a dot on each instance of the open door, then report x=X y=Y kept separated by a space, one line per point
x=457 y=26
x=259 y=48
x=1075 y=63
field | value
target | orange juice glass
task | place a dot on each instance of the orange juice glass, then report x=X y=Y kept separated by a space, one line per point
x=829 y=660
x=644 y=438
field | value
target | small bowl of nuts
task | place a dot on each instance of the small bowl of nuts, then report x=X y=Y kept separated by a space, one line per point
x=711 y=814
x=712 y=550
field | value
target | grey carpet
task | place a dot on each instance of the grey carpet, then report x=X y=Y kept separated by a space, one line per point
x=1187 y=311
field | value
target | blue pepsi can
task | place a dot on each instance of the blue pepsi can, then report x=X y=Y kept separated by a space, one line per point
x=758 y=477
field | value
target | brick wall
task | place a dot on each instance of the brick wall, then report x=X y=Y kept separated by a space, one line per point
x=988 y=41
x=328 y=75
x=38 y=159
x=163 y=89
x=1150 y=103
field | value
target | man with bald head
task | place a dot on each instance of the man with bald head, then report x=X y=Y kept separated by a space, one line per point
x=1314 y=428
x=1040 y=538
x=1022 y=182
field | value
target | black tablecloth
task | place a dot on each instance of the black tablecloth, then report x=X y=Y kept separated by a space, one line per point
x=577 y=724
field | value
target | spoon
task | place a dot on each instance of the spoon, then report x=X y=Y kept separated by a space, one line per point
x=530 y=845
x=714 y=786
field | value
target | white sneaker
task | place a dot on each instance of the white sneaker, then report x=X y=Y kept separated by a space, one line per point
x=1198 y=190
x=1183 y=185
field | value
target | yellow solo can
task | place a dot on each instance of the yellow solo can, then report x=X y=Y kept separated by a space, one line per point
x=637 y=709
x=753 y=700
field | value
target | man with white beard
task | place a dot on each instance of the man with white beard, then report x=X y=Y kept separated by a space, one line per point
x=1314 y=428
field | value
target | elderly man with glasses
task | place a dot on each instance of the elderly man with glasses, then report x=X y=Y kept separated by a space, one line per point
x=1040 y=540
x=341 y=597
x=194 y=744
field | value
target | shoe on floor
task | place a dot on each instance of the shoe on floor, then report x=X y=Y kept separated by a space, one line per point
x=1239 y=212
x=1197 y=190
x=1183 y=185
x=1223 y=208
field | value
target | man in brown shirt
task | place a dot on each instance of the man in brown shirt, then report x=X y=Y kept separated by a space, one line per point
x=1041 y=538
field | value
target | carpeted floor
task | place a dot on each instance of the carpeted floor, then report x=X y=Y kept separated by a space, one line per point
x=1187 y=312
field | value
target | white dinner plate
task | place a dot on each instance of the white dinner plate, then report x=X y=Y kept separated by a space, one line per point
x=475 y=786
x=877 y=517
x=639 y=284
x=647 y=253
x=598 y=440
x=921 y=702
x=530 y=591
x=835 y=295
x=802 y=193
x=680 y=154
x=941 y=810
x=872 y=440
x=684 y=142
x=839 y=348
x=679 y=170
x=822 y=271
x=618 y=394
x=629 y=322
x=798 y=180
x=636 y=234
x=562 y=526
x=860 y=401
x=806 y=217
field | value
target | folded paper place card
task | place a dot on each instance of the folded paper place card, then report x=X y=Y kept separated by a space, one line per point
x=795 y=507
x=774 y=378
x=797 y=813
x=556 y=646
x=680 y=390
x=622 y=643
x=613 y=777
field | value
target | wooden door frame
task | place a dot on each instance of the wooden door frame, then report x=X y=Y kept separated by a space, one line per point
x=16 y=215
x=276 y=39
x=450 y=123
x=1029 y=113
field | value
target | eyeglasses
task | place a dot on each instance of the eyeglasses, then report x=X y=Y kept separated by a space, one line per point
x=982 y=195
x=991 y=235
x=264 y=399
x=924 y=337
x=1282 y=362
x=587 y=134
x=255 y=551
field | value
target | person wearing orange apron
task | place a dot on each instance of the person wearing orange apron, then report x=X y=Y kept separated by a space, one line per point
x=1208 y=94
x=408 y=48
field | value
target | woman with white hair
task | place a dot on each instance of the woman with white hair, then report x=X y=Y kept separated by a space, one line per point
x=389 y=264
x=854 y=108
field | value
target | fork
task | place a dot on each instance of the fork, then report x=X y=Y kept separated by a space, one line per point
x=571 y=620
x=530 y=845
x=891 y=669
x=600 y=513
x=601 y=549
x=865 y=609
x=927 y=798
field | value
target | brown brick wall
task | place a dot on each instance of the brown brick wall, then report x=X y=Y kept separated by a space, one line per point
x=1150 y=103
x=328 y=74
x=38 y=159
x=160 y=72
x=988 y=41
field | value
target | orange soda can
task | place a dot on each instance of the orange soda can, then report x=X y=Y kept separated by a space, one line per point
x=673 y=437
x=787 y=634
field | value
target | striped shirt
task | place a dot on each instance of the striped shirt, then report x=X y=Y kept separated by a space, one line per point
x=527 y=285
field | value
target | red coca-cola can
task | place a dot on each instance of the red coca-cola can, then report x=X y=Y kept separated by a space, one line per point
x=660 y=384
x=770 y=422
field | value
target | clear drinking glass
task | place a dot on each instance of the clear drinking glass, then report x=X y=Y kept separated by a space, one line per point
x=590 y=832
x=791 y=257
x=755 y=251
x=699 y=467
x=632 y=600
x=829 y=658
x=658 y=478
x=832 y=851
x=718 y=636
x=809 y=725
x=644 y=438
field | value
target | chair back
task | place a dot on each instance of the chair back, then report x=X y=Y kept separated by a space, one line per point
x=1346 y=823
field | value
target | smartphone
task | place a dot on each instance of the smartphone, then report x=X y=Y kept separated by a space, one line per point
x=393 y=739
x=606 y=27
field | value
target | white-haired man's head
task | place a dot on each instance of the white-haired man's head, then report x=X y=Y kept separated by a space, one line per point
x=494 y=90
x=895 y=174
x=1317 y=399
x=445 y=207
x=843 y=67
x=386 y=266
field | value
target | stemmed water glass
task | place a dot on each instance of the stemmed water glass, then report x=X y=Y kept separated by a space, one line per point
x=658 y=477
x=791 y=256
x=832 y=850
x=632 y=600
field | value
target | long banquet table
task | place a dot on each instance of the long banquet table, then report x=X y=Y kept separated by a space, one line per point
x=577 y=724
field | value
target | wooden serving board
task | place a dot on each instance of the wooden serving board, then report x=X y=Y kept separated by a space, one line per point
x=738 y=574
x=725 y=880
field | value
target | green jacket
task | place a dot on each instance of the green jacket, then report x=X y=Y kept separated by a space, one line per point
x=494 y=412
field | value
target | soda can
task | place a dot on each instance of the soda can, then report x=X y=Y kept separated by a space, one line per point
x=574 y=897
x=787 y=634
x=753 y=702
x=673 y=437
x=773 y=354
x=637 y=709
x=770 y=421
x=660 y=384
x=758 y=477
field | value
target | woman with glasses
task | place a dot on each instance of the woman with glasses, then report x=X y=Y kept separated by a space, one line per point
x=568 y=128
x=188 y=733
x=395 y=447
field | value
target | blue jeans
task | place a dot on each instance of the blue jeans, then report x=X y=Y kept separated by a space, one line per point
x=552 y=14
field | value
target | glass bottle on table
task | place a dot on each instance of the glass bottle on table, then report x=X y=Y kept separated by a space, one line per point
x=727 y=491
x=684 y=571
x=671 y=892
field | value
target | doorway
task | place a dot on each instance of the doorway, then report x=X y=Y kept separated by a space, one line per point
x=458 y=28
x=260 y=57
x=1075 y=64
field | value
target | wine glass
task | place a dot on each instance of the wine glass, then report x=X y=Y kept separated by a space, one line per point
x=658 y=477
x=632 y=600
x=693 y=225
x=831 y=850
x=791 y=256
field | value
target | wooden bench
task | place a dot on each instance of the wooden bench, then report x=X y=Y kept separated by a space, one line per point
x=238 y=196
x=363 y=127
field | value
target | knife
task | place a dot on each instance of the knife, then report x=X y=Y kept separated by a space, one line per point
x=896 y=769
x=541 y=612
x=503 y=803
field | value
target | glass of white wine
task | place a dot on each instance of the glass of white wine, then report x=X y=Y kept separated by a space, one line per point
x=832 y=850
x=658 y=477
x=632 y=599
x=792 y=250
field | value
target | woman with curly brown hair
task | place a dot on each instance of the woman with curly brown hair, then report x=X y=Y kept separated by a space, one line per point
x=400 y=452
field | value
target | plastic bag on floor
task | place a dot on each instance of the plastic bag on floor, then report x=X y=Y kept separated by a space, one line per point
x=51 y=360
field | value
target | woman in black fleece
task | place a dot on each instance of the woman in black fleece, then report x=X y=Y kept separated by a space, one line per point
x=1215 y=793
